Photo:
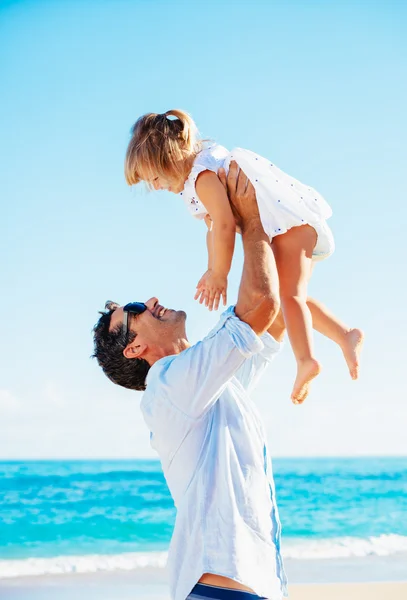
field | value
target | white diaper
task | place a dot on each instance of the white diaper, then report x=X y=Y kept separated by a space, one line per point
x=325 y=243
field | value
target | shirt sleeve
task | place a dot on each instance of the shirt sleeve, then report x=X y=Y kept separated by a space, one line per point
x=204 y=162
x=253 y=368
x=195 y=379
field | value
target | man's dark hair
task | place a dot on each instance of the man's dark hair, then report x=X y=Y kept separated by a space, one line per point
x=108 y=351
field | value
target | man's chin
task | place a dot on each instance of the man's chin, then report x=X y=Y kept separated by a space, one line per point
x=178 y=315
x=173 y=316
x=183 y=315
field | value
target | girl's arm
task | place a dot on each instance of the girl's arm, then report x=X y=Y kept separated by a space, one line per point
x=220 y=239
x=209 y=242
x=213 y=196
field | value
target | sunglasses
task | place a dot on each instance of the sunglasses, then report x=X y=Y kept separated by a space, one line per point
x=135 y=308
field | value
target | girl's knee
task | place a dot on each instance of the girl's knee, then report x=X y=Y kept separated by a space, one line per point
x=296 y=298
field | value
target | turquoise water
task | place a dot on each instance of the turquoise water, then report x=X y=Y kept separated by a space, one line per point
x=328 y=508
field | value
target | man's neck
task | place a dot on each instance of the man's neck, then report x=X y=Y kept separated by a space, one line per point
x=170 y=349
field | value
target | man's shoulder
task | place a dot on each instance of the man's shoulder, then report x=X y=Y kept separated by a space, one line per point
x=166 y=382
x=157 y=369
x=157 y=379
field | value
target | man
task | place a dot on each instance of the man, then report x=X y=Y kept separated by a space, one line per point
x=205 y=428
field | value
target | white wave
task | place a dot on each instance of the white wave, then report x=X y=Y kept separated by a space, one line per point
x=90 y=563
x=346 y=547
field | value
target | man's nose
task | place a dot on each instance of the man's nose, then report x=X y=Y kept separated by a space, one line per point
x=151 y=304
x=156 y=185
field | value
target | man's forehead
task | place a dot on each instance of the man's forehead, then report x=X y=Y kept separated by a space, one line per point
x=116 y=319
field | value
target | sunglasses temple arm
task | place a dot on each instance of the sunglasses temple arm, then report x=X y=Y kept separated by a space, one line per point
x=125 y=322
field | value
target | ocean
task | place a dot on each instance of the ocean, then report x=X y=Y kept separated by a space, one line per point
x=88 y=516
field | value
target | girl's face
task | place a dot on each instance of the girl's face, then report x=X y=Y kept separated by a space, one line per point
x=171 y=185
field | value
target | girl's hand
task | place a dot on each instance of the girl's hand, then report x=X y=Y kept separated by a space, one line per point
x=211 y=288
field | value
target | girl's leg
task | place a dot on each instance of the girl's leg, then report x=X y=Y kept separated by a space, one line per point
x=293 y=252
x=277 y=328
x=349 y=340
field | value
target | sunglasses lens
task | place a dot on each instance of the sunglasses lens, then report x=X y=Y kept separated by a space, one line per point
x=135 y=307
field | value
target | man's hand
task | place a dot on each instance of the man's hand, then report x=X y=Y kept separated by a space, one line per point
x=241 y=194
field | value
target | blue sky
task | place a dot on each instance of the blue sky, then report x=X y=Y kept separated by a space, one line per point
x=318 y=88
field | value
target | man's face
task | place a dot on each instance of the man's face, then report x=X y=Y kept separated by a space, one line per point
x=156 y=327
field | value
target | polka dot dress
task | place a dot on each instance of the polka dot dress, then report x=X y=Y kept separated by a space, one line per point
x=283 y=201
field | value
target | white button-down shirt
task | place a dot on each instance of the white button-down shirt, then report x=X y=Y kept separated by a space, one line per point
x=212 y=446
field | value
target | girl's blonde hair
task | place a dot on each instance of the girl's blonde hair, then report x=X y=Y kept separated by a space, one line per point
x=161 y=146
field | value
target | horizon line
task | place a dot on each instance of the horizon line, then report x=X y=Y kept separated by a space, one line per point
x=153 y=459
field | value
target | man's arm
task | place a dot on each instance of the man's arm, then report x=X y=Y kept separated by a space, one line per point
x=196 y=378
x=258 y=302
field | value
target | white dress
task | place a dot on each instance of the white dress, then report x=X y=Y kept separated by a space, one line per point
x=283 y=201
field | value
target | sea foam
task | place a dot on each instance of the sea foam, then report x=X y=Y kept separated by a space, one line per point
x=89 y=563
x=346 y=547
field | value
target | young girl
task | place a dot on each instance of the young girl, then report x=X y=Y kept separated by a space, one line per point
x=166 y=152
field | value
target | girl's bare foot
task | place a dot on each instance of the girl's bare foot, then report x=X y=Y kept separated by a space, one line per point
x=306 y=371
x=351 y=348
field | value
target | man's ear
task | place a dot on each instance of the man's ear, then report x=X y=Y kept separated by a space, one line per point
x=135 y=349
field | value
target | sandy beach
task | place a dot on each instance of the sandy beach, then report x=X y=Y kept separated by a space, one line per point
x=349 y=591
x=127 y=586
